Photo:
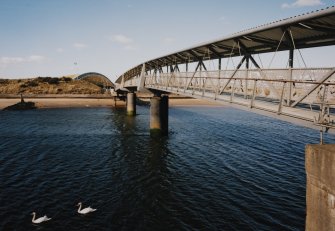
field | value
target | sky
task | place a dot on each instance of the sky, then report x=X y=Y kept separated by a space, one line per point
x=64 y=37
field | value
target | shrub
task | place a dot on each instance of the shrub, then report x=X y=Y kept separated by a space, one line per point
x=4 y=81
x=53 y=81
x=32 y=84
x=49 y=80
x=66 y=79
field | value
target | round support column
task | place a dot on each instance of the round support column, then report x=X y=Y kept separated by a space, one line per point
x=131 y=104
x=159 y=115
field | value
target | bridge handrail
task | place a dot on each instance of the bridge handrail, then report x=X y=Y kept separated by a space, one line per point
x=260 y=79
x=198 y=75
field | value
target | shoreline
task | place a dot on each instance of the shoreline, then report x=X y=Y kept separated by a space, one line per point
x=81 y=102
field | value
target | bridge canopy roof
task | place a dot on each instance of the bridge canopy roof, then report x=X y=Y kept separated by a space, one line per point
x=308 y=30
x=97 y=79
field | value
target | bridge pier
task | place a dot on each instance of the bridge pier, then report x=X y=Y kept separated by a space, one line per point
x=320 y=187
x=159 y=115
x=131 y=104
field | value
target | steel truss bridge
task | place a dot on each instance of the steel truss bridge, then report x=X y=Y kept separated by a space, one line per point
x=306 y=94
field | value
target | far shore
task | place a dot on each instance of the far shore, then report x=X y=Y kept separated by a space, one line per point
x=86 y=102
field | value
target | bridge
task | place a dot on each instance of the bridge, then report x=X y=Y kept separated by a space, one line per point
x=305 y=93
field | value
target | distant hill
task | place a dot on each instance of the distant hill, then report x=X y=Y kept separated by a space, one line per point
x=48 y=85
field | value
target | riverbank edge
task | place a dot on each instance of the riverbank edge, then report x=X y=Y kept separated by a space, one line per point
x=87 y=101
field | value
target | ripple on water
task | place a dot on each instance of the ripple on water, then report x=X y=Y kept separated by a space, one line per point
x=219 y=169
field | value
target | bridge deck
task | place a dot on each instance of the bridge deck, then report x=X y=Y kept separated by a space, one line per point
x=305 y=113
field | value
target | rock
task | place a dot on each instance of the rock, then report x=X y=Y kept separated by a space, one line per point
x=21 y=106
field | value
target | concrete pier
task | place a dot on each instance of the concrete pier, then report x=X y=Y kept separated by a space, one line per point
x=320 y=187
x=131 y=104
x=159 y=115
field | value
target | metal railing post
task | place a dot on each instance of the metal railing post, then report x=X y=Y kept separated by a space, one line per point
x=232 y=91
x=281 y=100
x=253 y=94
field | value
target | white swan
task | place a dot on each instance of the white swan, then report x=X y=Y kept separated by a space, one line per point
x=85 y=210
x=39 y=220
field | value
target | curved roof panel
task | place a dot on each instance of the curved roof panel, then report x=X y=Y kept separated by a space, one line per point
x=96 y=78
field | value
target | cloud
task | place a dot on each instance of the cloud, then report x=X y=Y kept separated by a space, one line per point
x=122 y=39
x=60 y=50
x=79 y=46
x=35 y=58
x=169 y=40
x=126 y=42
x=16 y=60
x=11 y=60
x=129 y=48
x=302 y=3
x=222 y=18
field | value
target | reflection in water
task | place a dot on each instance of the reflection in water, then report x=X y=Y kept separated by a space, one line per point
x=219 y=169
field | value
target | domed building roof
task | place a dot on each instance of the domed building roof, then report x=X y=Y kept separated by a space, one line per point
x=97 y=79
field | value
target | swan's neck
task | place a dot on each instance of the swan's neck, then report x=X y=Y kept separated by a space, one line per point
x=33 y=217
x=79 y=208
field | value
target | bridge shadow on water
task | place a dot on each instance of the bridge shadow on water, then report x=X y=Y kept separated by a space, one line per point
x=146 y=187
x=205 y=178
x=157 y=193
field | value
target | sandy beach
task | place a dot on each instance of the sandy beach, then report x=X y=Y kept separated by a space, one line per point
x=96 y=102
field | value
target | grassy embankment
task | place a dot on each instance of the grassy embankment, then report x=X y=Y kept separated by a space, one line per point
x=47 y=85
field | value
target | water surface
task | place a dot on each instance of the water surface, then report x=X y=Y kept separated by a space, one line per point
x=219 y=169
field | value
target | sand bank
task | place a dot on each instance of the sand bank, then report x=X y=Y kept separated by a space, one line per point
x=89 y=102
x=61 y=102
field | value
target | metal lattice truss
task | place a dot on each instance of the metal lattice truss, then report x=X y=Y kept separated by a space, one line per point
x=287 y=91
x=310 y=30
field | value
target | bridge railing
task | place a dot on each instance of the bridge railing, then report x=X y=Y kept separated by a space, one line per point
x=289 y=84
x=307 y=94
x=132 y=82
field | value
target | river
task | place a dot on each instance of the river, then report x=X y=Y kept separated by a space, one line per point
x=219 y=169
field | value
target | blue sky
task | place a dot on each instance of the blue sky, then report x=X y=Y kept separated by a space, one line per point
x=62 y=37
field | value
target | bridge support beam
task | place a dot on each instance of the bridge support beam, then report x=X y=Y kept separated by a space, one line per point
x=159 y=115
x=320 y=188
x=131 y=104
